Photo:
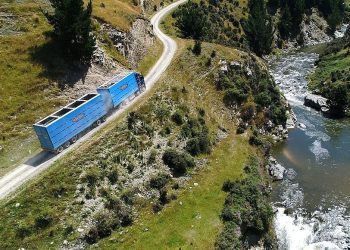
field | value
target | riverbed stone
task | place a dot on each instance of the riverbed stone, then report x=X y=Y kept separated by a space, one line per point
x=315 y=101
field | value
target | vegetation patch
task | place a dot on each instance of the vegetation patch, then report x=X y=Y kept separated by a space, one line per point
x=331 y=78
x=247 y=214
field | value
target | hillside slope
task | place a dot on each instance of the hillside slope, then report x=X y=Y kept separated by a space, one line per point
x=106 y=185
x=36 y=80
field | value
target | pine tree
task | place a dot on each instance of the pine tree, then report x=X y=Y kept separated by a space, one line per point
x=72 y=28
x=285 y=25
x=258 y=28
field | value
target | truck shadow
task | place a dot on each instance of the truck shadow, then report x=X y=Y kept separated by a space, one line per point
x=40 y=158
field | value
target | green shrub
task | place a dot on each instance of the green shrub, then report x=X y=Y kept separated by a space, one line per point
x=197 y=48
x=177 y=117
x=43 y=221
x=159 y=181
x=91 y=175
x=177 y=162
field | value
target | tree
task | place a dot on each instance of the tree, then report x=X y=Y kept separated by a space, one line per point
x=338 y=99
x=285 y=24
x=197 y=48
x=258 y=28
x=72 y=28
x=191 y=20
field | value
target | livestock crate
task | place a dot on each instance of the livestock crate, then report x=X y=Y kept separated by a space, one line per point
x=121 y=87
x=66 y=124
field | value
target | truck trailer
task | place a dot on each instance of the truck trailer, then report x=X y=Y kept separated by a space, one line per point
x=62 y=128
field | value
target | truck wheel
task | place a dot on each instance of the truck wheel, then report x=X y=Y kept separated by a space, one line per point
x=104 y=119
x=74 y=139
x=67 y=144
x=59 y=150
x=98 y=123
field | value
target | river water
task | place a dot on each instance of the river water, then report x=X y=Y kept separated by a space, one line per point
x=318 y=161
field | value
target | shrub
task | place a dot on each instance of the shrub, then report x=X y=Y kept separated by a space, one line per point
x=197 y=48
x=157 y=207
x=43 y=221
x=234 y=96
x=113 y=175
x=163 y=197
x=152 y=157
x=248 y=112
x=159 y=181
x=227 y=214
x=192 y=146
x=91 y=175
x=177 y=117
x=104 y=223
x=177 y=162
x=128 y=197
x=23 y=231
x=92 y=235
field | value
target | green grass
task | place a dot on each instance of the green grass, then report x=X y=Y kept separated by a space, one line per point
x=26 y=93
x=119 y=13
x=196 y=223
x=339 y=61
x=152 y=56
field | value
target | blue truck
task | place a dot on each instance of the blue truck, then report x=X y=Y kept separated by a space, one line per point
x=58 y=130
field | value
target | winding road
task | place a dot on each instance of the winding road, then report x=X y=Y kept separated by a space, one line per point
x=32 y=167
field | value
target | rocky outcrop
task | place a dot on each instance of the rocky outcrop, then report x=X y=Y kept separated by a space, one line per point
x=133 y=45
x=275 y=169
x=314 y=29
x=316 y=102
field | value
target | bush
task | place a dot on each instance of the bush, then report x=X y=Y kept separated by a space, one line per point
x=234 y=96
x=227 y=214
x=22 y=231
x=163 y=197
x=159 y=181
x=113 y=175
x=43 y=221
x=177 y=162
x=177 y=117
x=105 y=223
x=197 y=48
x=91 y=175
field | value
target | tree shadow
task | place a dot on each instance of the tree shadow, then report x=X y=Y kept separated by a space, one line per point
x=58 y=67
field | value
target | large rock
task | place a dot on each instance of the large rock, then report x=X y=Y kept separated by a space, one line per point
x=275 y=169
x=315 y=101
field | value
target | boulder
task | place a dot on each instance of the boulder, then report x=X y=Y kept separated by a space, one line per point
x=315 y=101
x=275 y=169
x=301 y=125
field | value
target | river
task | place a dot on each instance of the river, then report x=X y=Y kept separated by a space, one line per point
x=318 y=158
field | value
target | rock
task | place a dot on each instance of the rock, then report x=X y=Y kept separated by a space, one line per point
x=275 y=169
x=249 y=72
x=80 y=230
x=17 y=204
x=291 y=174
x=195 y=184
x=224 y=69
x=301 y=125
x=235 y=65
x=315 y=101
x=65 y=242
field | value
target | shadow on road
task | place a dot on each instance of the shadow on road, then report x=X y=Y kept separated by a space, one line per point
x=40 y=158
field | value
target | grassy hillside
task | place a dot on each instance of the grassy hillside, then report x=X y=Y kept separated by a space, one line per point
x=30 y=64
x=55 y=210
x=331 y=77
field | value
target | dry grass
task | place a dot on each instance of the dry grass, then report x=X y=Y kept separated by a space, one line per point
x=119 y=13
